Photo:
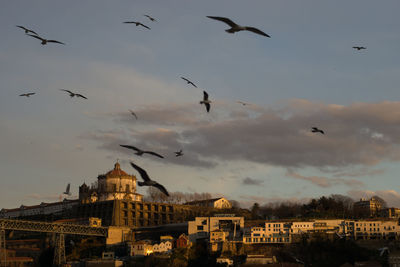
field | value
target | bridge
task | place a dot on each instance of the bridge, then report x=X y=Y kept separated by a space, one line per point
x=59 y=229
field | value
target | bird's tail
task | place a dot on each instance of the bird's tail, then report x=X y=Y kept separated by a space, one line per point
x=140 y=183
x=230 y=31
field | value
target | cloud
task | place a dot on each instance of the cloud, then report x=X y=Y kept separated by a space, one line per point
x=324 y=181
x=251 y=181
x=391 y=197
x=361 y=134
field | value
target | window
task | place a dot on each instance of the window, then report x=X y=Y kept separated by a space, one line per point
x=124 y=205
x=200 y=228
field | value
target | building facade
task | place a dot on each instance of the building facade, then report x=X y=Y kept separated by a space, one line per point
x=367 y=208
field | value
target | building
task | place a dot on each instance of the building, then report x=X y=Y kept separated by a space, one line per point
x=182 y=241
x=114 y=201
x=367 y=208
x=201 y=227
x=141 y=248
x=216 y=203
x=393 y=213
x=39 y=211
x=162 y=247
x=115 y=184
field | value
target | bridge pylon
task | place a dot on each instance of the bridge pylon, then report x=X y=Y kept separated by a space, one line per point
x=3 y=249
x=59 y=250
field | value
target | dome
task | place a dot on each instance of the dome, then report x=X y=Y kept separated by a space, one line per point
x=116 y=172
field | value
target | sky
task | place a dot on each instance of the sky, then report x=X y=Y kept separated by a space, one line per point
x=306 y=75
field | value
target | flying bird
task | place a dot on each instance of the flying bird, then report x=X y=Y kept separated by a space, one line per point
x=71 y=94
x=359 y=47
x=137 y=24
x=27 y=94
x=188 y=82
x=178 y=153
x=140 y=152
x=316 y=130
x=236 y=28
x=67 y=192
x=26 y=29
x=45 y=41
x=205 y=101
x=243 y=103
x=133 y=113
x=150 y=18
x=147 y=181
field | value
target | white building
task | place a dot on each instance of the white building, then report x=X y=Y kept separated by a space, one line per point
x=216 y=203
x=202 y=226
x=162 y=247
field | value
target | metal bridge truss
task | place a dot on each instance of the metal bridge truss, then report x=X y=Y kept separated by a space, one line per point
x=45 y=227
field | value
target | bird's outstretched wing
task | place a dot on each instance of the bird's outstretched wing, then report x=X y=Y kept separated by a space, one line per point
x=255 y=30
x=188 y=81
x=314 y=128
x=161 y=188
x=142 y=172
x=37 y=37
x=141 y=24
x=133 y=113
x=55 y=41
x=68 y=91
x=130 y=22
x=26 y=29
x=150 y=18
x=131 y=147
x=226 y=20
x=153 y=153
x=208 y=106
x=79 y=95
x=205 y=96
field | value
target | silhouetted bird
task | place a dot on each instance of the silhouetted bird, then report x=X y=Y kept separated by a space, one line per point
x=27 y=94
x=188 y=82
x=137 y=24
x=178 y=153
x=133 y=113
x=316 y=130
x=359 y=47
x=205 y=101
x=150 y=18
x=140 y=152
x=147 y=181
x=71 y=94
x=243 y=103
x=45 y=41
x=26 y=29
x=67 y=192
x=236 y=28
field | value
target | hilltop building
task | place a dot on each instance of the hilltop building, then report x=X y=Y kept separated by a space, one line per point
x=216 y=203
x=115 y=184
x=367 y=208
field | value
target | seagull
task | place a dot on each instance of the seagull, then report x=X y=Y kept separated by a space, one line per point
x=243 y=103
x=150 y=18
x=45 y=41
x=147 y=181
x=137 y=24
x=178 y=153
x=133 y=113
x=140 y=152
x=71 y=94
x=359 y=47
x=205 y=101
x=27 y=94
x=316 y=130
x=236 y=28
x=67 y=192
x=189 y=82
x=383 y=250
x=26 y=29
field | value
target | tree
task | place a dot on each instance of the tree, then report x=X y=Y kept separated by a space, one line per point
x=255 y=211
